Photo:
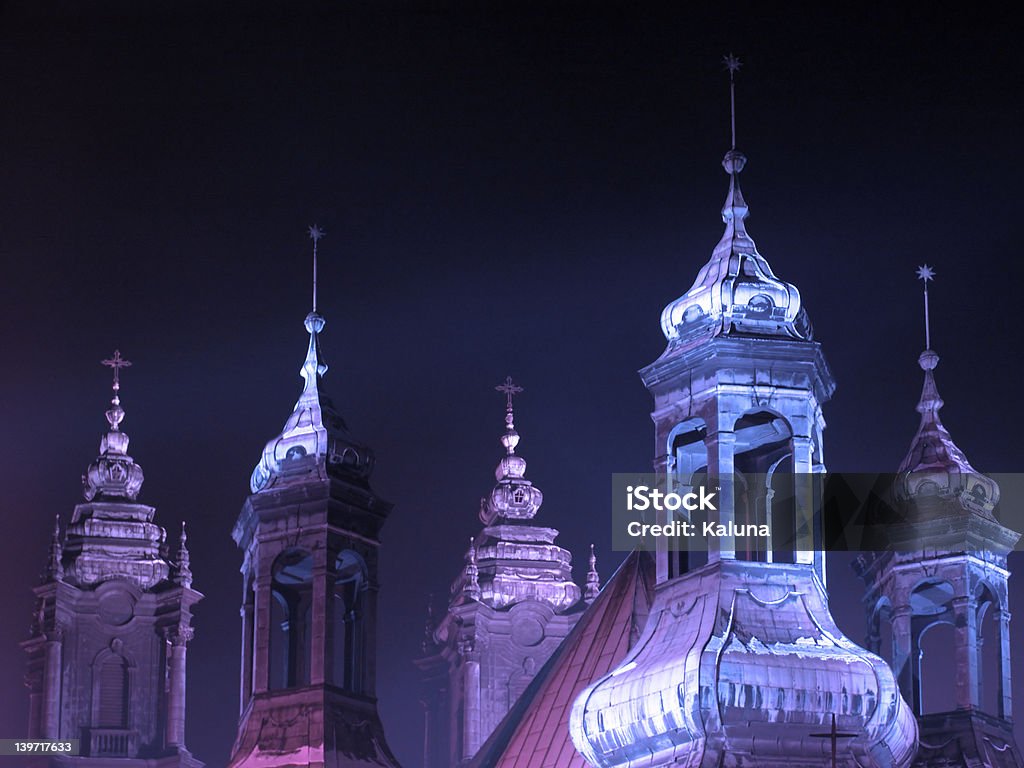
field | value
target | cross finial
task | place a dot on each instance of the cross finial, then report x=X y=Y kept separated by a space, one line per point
x=926 y=274
x=117 y=363
x=510 y=389
x=733 y=64
x=315 y=233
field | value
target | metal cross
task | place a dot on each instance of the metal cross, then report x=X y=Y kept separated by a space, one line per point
x=835 y=736
x=510 y=389
x=117 y=363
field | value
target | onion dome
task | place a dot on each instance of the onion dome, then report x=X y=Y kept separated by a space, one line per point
x=736 y=292
x=114 y=474
x=935 y=467
x=742 y=664
x=514 y=497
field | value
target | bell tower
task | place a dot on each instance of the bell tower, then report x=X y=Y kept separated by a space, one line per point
x=107 y=656
x=310 y=537
x=740 y=661
x=945 y=574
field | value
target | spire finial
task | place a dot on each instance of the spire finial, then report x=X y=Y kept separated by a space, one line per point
x=926 y=274
x=55 y=566
x=593 y=587
x=116 y=415
x=471 y=587
x=732 y=64
x=315 y=233
x=510 y=439
x=184 y=560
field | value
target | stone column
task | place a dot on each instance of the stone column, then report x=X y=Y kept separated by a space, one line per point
x=721 y=468
x=52 y=684
x=320 y=650
x=1005 y=678
x=965 y=623
x=245 y=686
x=470 y=699
x=902 y=664
x=178 y=637
x=803 y=502
x=261 y=640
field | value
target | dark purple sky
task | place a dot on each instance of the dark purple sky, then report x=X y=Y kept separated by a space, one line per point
x=504 y=192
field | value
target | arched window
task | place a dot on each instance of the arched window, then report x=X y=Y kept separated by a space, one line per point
x=349 y=618
x=290 y=629
x=934 y=647
x=113 y=693
x=763 y=485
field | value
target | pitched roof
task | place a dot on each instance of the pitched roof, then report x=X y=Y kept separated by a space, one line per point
x=535 y=732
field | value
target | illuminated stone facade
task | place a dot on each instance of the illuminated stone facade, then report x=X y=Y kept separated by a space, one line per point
x=107 y=656
x=946 y=571
x=309 y=534
x=740 y=662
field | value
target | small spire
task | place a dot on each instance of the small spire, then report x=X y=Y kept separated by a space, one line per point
x=184 y=576
x=471 y=585
x=315 y=233
x=428 y=626
x=593 y=587
x=511 y=438
x=55 y=566
x=116 y=414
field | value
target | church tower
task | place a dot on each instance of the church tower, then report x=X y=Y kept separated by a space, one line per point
x=310 y=537
x=106 y=660
x=740 y=662
x=945 y=571
x=510 y=607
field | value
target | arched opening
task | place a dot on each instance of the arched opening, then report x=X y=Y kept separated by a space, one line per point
x=290 y=629
x=689 y=468
x=933 y=653
x=989 y=652
x=763 y=486
x=350 y=585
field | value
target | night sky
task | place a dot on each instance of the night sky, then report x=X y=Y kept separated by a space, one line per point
x=507 y=189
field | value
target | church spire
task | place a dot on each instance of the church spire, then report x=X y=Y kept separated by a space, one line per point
x=314 y=433
x=736 y=292
x=114 y=474
x=934 y=463
x=55 y=566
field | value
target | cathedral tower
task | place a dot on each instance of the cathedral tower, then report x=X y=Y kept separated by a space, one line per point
x=113 y=621
x=945 y=571
x=740 y=662
x=310 y=537
x=510 y=607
